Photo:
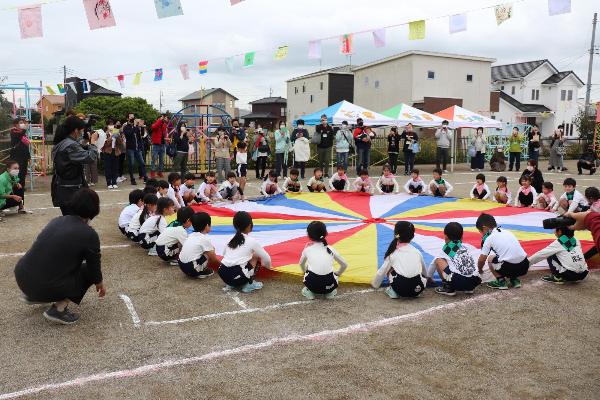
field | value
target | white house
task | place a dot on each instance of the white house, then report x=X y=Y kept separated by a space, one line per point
x=535 y=92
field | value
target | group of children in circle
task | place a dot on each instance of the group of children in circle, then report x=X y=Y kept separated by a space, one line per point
x=185 y=242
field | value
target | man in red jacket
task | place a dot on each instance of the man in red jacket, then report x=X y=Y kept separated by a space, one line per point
x=159 y=136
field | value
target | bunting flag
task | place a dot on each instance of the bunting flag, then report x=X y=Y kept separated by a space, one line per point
x=137 y=79
x=85 y=86
x=50 y=90
x=99 y=14
x=281 y=53
x=121 y=79
x=203 y=67
x=503 y=12
x=185 y=71
x=168 y=8
x=61 y=88
x=30 y=22
x=556 y=7
x=158 y=74
x=234 y=2
x=106 y=82
x=314 y=49
x=72 y=87
x=416 y=30
x=458 y=23
x=346 y=44
x=249 y=58
x=230 y=63
x=379 y=37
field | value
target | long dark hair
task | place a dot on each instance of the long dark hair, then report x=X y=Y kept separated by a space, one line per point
x=148 y=199
x=241 y=221
x=317 y=231
x=161 y=205
x=404 y=232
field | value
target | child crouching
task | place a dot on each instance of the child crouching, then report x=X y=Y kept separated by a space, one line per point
x=170 y=241
x=403 y=265
x=317 y=263
x=198 y=252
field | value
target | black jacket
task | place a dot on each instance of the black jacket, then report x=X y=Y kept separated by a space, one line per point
x=133 y=137
x=393 y=143
x=537 y=180
x=589 y=156
x=182 y=143
x=327 y=136
x=408 y=139
x=68 y=158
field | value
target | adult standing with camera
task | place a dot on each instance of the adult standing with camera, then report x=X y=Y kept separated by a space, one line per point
x=282 y=147
x=409 y=138
x=159 y=136
x=324 y=142
x=19 y=148
x=182 y=144
x=68 y=157
x=222 y=154
x=443 y=139
x=393 y=149
x=362 y=141
x=556 y=158
x=134 y=146
x=533 y=143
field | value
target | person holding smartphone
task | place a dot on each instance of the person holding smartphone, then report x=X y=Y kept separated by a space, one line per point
x=443 y=138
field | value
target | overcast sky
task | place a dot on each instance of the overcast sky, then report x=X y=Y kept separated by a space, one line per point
x=211 y=29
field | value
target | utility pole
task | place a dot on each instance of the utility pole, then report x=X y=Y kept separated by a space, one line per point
x=160 y=102
x=590 y=65
x=270 y=92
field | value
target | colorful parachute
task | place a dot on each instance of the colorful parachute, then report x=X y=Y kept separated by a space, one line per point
x=361 y=226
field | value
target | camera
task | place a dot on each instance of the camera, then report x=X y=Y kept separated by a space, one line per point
x=559 y=222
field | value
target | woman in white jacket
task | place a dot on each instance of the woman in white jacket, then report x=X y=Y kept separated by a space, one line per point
x=301 y=153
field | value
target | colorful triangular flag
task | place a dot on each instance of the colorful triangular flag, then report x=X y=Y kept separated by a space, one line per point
x=158 y=74
x=185 y=71
x=72 y=86
x=346 y=44
x=121 y=79
x=379 y=37
x=281 y=53
x=249 y=58
x=99 y=14
x=61 y=88
x=30 y=21
x=85 y=86
x=106 y=82
x=503 y=12
x=314 y=49
x=203 y=67
x=458 y=23
x=234 y=2
x=50 y=90
x=137 y=78
x=556 y=7
x=230 y=63
x=416 y=30
x=168 y=8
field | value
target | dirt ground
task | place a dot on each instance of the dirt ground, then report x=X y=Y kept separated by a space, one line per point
x=191 y=339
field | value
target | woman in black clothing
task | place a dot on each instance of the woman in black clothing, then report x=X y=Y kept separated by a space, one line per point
x=69 y=157
x=409 y=138
x=182 y=143
x=19 y=148
x=393 y=149
x=535 y=175
x=64 y=261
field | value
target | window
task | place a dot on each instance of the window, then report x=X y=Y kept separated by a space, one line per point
x=296 y=90
x=321 y=85
x=366 y=81
x=303 y=88
x=513 y=90
x=563 y=95
x=283 y=111
x=230 y=103
x=430 y=74
x=469 y=78
x=535 y=94
x=376 y=84
x=570 y=95
x=502 y=87
x=311 y=98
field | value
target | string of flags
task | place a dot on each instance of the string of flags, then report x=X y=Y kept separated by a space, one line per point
x=100 y=15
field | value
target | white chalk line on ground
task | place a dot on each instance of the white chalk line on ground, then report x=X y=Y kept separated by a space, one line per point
x=235 y=297
x=57 y=208
x=107 y=247
x=134 y=315
x=147 y=369
x=248 y=310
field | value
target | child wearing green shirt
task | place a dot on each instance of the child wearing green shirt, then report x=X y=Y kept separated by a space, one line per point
x=514 y=149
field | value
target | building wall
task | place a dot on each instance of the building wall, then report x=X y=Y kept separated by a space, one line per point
x=312 y=96
x=382 y=86
x=49 y=108
x=219 y=98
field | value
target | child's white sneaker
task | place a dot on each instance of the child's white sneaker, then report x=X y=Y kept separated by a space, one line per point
x=249 y=287
x=391 y=292
x=152 y=251
x=331 y=294
x=307 y=293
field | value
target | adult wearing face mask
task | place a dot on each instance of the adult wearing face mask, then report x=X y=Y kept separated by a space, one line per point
x=324 y=144
x=534 y=174
x=299 y=131
x=443 y=139
x=533 y=143
x=64 y=261
x=11 y=191
x=343 y=141
x=134 y=147
x=409 y=137
x=363 y=146
x=282 y=147
x=182 y=143
x=159 y=135
x=238 y=134
x=111 y=150
x=19 y=148
x=68 y=158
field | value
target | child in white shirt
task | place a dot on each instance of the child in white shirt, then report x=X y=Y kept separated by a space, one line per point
x=339 y=180
x=230 y=189
x=317 y=263
x=162 y=188
x=173 y=192
x=526 y=193
x=438 y=186
x=133 y=228
x=241 y=160
x=169 y=242
x=270 y=187
x=136 y=203
x=455 y=265
x=186 y=191
x=155 y=225
x=502 y=193
x=387 y=183
x=403 y=265
x=242 y=256
x=207 y=192
x=572 y=200
x=316 y=183
x=592 y=195
x=480 y=190
x=198 y=253
x=415 y=184
x=565 y=258
x=291 y=183
x=546 y=200
x=363 y=183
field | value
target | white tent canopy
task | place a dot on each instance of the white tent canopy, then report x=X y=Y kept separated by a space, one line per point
x=346 y=111
x=404 y=114
x=463 y=118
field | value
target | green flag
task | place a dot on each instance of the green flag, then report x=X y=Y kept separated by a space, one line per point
x=249 y=59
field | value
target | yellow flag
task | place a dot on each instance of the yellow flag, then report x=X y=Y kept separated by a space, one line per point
x=50 y=90
x=416 y=30
x=137 y=78
x=281 y=53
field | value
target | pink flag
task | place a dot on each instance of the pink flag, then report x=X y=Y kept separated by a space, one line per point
x=99 y=14
x=185 y=71
x=379 y=37
x=121 y=79
x=30 y=21
x=346 y=44
x=314 y=49
x=234 y=2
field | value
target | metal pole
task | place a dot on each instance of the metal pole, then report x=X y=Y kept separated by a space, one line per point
x=453 y=150
x=590 y=65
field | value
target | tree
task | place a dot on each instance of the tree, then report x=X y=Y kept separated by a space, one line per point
x=585 y=125
x=6 y=108
x=117 y=108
